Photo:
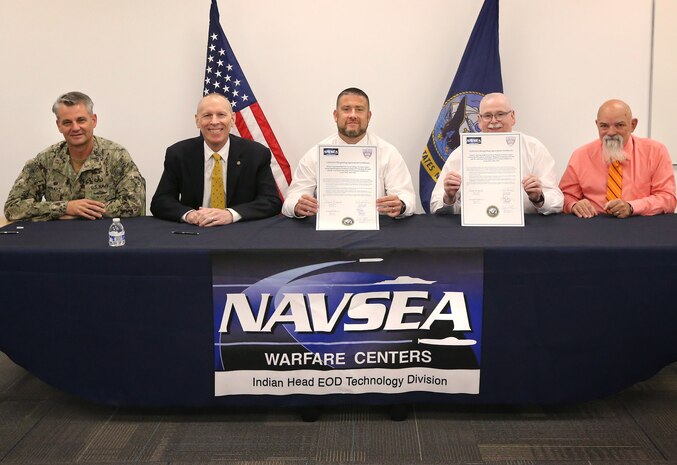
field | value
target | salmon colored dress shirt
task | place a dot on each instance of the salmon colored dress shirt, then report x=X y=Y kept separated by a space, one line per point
x=648 y=177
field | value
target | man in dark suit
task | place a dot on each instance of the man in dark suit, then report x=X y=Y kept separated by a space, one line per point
x=216 y=178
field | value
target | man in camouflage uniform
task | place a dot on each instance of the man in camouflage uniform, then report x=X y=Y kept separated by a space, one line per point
x=83 y=177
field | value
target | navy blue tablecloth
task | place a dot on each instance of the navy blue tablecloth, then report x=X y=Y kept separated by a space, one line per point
x=573 y=309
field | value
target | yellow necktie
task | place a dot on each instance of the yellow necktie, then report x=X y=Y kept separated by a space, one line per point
x=614 y=183
x=218 y=195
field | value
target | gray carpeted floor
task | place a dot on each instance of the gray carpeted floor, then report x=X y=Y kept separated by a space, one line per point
x=40 y=425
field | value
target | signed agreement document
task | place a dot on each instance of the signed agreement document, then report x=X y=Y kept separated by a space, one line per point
x=491 y=173
x=347 y=187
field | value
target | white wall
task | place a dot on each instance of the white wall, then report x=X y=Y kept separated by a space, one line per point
x=664 y=92
x=142 y=63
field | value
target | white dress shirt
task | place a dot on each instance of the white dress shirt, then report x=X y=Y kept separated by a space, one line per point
x=536 y=160
x=394 y=177
x=209 y=168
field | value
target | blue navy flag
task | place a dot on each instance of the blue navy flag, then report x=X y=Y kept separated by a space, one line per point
x=224 y=76
x=478 y=74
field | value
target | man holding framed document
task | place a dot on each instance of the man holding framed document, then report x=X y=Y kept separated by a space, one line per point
x=492 y=169
x=354 y=161
x=540 y=193
x=347 y=180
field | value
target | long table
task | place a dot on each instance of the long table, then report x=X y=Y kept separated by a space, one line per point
x=572 y=309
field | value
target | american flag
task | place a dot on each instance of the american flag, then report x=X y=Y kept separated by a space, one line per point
x=224 y=76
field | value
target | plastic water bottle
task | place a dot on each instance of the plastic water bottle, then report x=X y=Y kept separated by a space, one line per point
x=116 y=234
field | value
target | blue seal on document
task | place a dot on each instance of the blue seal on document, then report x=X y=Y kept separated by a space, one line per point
x=347 y=221
x=492 y=211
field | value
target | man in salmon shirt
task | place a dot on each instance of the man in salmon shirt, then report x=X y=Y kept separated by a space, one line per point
x=619 y=174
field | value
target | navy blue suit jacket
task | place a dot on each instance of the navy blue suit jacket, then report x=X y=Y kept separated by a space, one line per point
x=250 y=187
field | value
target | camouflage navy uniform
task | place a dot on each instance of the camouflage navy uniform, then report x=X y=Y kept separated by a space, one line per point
x=108 y=175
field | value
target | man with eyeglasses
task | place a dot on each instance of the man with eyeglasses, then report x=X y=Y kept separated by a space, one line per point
x=216 y=178
x=541 y=194
x=619 y=174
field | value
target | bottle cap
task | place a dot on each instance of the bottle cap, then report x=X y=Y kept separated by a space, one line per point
x=116 y=220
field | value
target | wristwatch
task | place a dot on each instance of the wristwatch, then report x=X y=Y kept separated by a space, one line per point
x=404 y=207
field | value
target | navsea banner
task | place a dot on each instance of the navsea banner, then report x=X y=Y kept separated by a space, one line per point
x=331 y=323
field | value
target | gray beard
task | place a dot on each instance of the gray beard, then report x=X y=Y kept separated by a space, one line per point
x=612 y=149
x=352 y=133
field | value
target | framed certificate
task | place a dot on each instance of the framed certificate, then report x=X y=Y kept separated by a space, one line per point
x=347 y=180
x=491 y=187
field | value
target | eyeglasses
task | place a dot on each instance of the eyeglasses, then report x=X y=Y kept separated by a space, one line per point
x=500 y=115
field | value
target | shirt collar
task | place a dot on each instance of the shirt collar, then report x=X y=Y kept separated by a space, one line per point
x=225 y=150
x=93 y=160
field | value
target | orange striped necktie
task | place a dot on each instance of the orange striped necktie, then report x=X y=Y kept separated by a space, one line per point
x=614 y=183
x=218 y=199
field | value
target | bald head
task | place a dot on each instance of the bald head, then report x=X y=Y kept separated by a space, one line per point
x=214 y=118
x=615 y=121
x=617 y=107
x=214 y=98
x=496 y=113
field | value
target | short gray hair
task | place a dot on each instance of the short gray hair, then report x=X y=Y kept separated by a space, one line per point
x=73 y=98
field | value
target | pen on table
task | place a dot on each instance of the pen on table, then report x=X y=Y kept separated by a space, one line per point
x=9 y=232
x=187 y=233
